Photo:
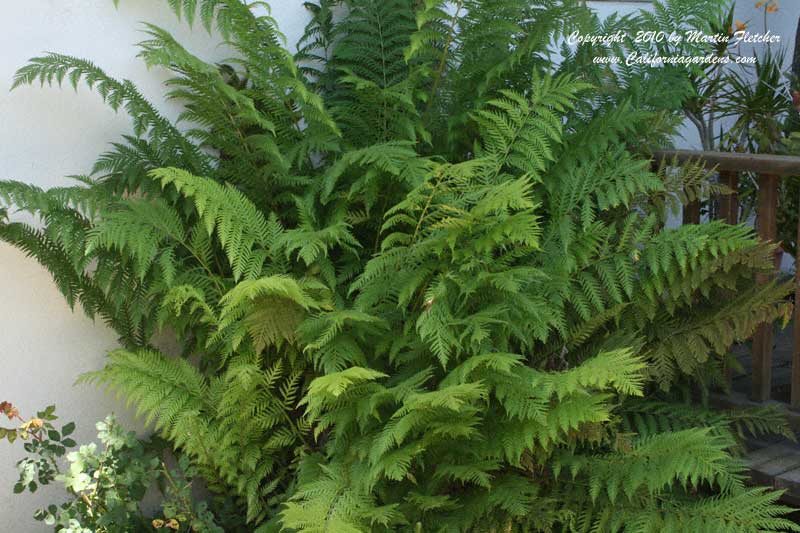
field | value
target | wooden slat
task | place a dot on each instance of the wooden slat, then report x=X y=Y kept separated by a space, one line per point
x=737 y=400
x=776 y=465
x=729 y=203
x=790 y=482
x=765 y=455
x=779 y=465
x=767 y=227
x=777 y=165
x=691 y=213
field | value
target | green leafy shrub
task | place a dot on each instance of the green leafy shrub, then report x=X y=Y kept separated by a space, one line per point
x=419 y=273
x=105 y=484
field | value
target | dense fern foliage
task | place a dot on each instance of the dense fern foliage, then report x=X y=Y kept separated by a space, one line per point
x=419 y=272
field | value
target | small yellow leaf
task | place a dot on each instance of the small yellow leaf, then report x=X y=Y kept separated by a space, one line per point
x=33 y=423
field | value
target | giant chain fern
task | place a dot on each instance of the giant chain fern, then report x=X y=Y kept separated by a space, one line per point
x=418 y=274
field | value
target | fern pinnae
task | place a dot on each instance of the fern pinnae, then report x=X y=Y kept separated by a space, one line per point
x=419 y=276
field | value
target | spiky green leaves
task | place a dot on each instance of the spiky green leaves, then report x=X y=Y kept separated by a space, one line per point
x=519 y=131
x=139 y=229
x=243 y=231
x=374 y=95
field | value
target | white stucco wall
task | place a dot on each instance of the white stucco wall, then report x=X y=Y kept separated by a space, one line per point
x=48 y=133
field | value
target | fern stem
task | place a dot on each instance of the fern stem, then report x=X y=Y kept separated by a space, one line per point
x=445 y=52
x=428 y=203
x=384 y=118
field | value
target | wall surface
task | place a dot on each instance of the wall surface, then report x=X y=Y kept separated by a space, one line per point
x=48 y=133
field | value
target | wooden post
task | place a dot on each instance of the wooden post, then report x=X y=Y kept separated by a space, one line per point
x=795 y=385
x=729 y=212
x=691 y=213
x=767 y=227
x=729 y=203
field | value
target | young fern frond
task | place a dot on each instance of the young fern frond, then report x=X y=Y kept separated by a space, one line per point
x=519 y=131
x=235 y=427
x=243 y=231
x=374 y=97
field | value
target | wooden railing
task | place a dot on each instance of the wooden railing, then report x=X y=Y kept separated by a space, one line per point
x=769 y=169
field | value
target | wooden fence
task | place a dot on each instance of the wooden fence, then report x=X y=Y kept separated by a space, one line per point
x=770 y=169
